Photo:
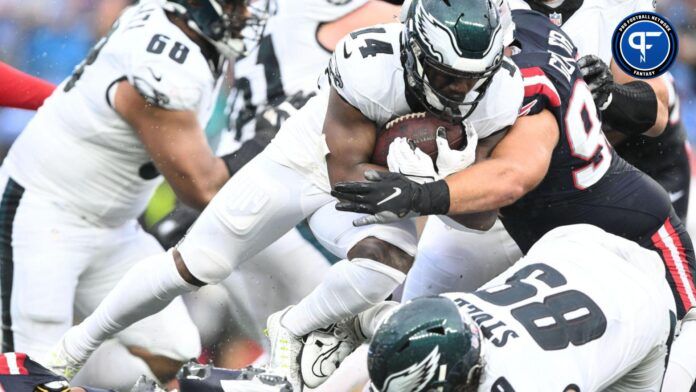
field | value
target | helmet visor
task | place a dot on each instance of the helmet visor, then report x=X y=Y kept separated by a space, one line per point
x=235 y=26
x=446 y=92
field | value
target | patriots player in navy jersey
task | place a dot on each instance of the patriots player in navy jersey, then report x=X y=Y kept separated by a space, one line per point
x=19 y=373
x=635 y=105
x=554 y=167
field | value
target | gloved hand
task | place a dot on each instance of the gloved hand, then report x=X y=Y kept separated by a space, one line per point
x=169 y=230
x=390 y=197
x=269 y=121
x=451 y=161
x=599 y=79
x=411 y=161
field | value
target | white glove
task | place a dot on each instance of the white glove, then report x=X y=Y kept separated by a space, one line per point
x=413 y=163
x=450 y=161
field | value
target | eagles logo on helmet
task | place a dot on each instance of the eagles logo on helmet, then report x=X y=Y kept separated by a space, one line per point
x=425 y=345
x=450 y=58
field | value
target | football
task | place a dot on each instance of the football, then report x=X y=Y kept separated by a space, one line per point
x=421 y=129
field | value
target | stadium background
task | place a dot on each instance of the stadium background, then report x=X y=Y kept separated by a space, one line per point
x=47 y=38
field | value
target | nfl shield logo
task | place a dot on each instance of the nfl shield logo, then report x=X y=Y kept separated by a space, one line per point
x=556 y=19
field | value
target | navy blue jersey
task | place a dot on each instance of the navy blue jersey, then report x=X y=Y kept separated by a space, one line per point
x=587 y=181
x=18 y=373
x=553 y=81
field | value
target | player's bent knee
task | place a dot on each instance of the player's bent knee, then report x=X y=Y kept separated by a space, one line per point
x=382 y=278
x=375 y=249
x=199 y=266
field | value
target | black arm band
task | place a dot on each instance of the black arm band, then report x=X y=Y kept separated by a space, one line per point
x=434 y=199
x=242 y=156
x=633 y=108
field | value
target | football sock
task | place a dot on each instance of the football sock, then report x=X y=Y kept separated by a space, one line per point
x=434 y=275
x=371 y=319
x=349 y=288
x=146 y=289
x=124 y=368
x=681 y=368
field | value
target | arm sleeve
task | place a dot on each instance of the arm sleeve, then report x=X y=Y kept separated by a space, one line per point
x=21 y=90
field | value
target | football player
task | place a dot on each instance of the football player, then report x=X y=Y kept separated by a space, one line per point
x=449 y=260
x=584 y=310
x=643 y=114
x=82 y=171
x=375 y=74
x=19 y=373
x=270 y=84
x=572 y=175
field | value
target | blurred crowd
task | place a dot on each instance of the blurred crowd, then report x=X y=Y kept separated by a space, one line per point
x=47 y=38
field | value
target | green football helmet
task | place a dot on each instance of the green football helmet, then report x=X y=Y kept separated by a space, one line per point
x=232 y=26
x=425 y=345
x=450 y=43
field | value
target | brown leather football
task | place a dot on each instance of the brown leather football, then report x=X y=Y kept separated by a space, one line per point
x=421 y=129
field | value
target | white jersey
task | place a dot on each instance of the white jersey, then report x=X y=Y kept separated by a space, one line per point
x=78 y=152
x=583 y=308
x=366 y=70
x=288 y=59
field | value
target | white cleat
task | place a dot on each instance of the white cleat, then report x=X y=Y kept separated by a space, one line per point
x=61 y=363
x=285 y=351
x=326 y=348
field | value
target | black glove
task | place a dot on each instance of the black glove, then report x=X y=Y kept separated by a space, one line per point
x=390 y=197
x=599 y=79
x=268 y=123
x=169 y=230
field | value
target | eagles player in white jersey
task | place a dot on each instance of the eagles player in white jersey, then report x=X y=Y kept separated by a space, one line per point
x=82 y=171
x=584 y=310
x=375 y=74
x=270 y=84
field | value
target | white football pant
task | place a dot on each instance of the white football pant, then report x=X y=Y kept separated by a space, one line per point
x=451 y=260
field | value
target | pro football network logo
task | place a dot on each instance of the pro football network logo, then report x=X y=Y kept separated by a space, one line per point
x=645 y=45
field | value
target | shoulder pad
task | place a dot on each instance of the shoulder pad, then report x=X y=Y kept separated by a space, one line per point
x=365 y=70
x=168 y=69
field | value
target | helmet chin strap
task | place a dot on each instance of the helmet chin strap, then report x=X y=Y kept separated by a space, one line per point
x=553 y=3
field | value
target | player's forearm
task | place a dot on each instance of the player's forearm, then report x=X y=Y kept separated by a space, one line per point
x=197 y=188
x=637 y=106
x=487 y=186
x=659 y=87
x=353 y=172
